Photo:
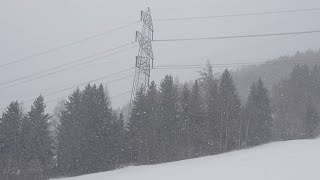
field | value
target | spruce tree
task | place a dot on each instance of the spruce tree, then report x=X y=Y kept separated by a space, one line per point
x=2 y=144
x=152 y=107
x=197 y=121
x=118 y=141
x=168 y=127
x=11 y=149
x=137 y=128
x=185 y=139
x=86 y=134
x=39 y=140
x=69 y=137
x=312 y=120
x=210 y=89
x=260 y=118
x=289 y=100
x=249 y=112
x=96 y=124
x=230 y=109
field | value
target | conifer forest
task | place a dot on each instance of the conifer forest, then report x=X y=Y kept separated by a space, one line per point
x=159 y=90
x=170 y=121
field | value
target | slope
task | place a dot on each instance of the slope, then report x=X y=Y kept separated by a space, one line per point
x=291 y=160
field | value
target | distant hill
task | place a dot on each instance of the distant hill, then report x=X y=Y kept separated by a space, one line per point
x=272 y=71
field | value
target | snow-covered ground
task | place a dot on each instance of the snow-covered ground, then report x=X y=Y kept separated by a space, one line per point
x=293 y=160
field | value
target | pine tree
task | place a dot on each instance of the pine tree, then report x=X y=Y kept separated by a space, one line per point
x=118 y=141
x=210 y=88
x=289 y=99
x=152 y=109
x=38 y=136
x=260 y=119
x=168 y=127
x=96 y=124
x=11 y=141
x=197 y=121
x=230 y=109
x=86 y=134
x=137 y=128
x=312 y=120
x=69 y=137
x=185 y=139
x=2 y=145
x=249 y=111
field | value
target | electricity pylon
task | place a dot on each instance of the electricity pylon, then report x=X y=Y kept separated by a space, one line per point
x=144 y=60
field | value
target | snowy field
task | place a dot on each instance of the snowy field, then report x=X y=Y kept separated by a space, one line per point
x=293 y=160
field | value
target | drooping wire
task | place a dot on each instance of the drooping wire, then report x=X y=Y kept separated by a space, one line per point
x=84 y=83
x=65 y=69
x=29 y=57
x=239 y=15
x=196 y=66
x=65 y=64
x=61 y=98
x=239 y=36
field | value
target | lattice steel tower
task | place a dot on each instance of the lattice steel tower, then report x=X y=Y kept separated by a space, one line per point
x=144 y=60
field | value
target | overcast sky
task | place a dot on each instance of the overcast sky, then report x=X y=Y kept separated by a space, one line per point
x=31 y=26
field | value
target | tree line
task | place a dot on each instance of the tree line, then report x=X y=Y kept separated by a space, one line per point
x=168 y=122
x=296 y=101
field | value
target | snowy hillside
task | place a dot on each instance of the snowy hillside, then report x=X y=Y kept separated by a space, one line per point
x=293 y=160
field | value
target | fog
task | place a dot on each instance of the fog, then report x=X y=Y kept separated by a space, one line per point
x=33 y=26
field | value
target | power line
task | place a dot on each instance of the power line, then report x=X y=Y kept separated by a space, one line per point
x=115 y=80
x=60 y=98
x=68 y=68
x=53 y=100
x=196 y=66
x=189 y=39
x=240 y=36
x=63 y=90
x=65 y=69
x=239 y=15
x=64 y=64
x=118 y=95
x=67 y=45
x=168 y=67
x=87 y=82
x=136 y=22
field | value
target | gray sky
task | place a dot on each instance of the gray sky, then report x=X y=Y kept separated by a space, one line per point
x=31 y=26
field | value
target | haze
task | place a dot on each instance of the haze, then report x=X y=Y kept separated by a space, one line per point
x=32 y=26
